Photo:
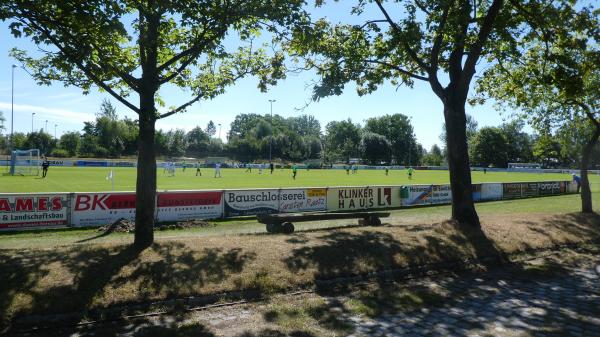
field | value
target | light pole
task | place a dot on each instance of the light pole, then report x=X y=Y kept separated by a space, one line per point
x=55 y=131
x=46 y=127
x=271 y=138
x=409 y=142
x=219 y=130
x=12 y=107
x=32 y=114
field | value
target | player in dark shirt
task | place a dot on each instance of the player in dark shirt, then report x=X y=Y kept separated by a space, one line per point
x=45 y=165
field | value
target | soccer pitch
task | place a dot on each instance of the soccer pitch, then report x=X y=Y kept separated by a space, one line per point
x=92 y=179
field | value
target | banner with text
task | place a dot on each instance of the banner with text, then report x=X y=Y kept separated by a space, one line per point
x=33 y=210
x=97 y=209
x=186 y=205
x=552 y=187
x=491 y=191
x=426 y=194
x=354 y=198
x=302 y=200
x=251 y=202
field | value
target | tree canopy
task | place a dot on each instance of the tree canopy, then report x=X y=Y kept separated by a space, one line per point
x=127 y=47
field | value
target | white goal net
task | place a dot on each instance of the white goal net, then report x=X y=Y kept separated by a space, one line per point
x=25 y=162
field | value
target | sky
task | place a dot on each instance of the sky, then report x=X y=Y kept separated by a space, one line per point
x=66 y=108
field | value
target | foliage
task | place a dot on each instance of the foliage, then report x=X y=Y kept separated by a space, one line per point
x=211 y=129
x=413 y=40
x=489 y=147
x=342 y=140
x=398 y=130
x=2 y=120
x=19 y=140
x=69 y=142
x=434 y=157
x=519 y=143
x=60 y=153
x=197 y=142
x=126 y=47
x=40 y=140
x=375 y=148
x=546 y=150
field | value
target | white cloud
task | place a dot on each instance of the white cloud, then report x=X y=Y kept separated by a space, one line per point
x=53 y=113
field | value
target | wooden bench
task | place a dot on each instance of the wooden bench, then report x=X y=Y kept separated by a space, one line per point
x=282 y=222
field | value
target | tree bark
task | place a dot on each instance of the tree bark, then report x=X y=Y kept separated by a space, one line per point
x=463 y=207
x=586 y=193
x=146 y=174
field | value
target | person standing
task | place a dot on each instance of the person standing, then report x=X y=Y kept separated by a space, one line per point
x=271 y=167
x=410 y=173
x=45 y=165
x=577 y=180
x=218 y=170
x=198 y=172
x=387 y=170
x=294 y=171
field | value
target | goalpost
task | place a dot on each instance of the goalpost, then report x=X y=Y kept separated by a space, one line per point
x=25 y=162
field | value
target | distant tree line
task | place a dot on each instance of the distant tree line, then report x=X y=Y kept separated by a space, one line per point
x=388 y=139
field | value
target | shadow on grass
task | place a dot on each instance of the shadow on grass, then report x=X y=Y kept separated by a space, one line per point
x=91 y=272
x=160 y=326
x=343 y=256
x=579 y=225
x=276 y=333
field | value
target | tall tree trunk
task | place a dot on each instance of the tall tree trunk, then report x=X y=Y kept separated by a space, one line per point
x=146 y=174
x=586 y=193
x=463 y=208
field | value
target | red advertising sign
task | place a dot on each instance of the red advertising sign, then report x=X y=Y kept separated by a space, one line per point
x=186 y=205
x=97 y=209
x=33 y=210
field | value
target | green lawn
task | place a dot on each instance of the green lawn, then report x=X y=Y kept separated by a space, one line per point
x=79 y=179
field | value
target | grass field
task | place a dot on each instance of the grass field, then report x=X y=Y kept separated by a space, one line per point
x=74 y=179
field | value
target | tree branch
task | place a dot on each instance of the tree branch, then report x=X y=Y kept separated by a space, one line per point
x=435 y=52
x=398 y=69
x=439 y=37
x=475 y=50
x=409 y=50
x=587 y=110
x=127 y=78
x=422 y=7
x=372 y=21
x=86 y=70
x=181 y=107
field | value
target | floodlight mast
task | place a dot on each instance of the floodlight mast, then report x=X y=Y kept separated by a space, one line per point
x=271 y=137
x=12 y=107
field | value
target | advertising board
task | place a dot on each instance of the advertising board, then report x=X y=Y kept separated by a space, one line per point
x=529 y=190
x=185 y=205
x=353 y=198
x=491 y=191
x=426 y=194
x=250 y=202
x=476 y=192
x=33 y=210
x=97 y=209
x=91 y=163
x=302 y=200
x=552 y=187
x=511 y=190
